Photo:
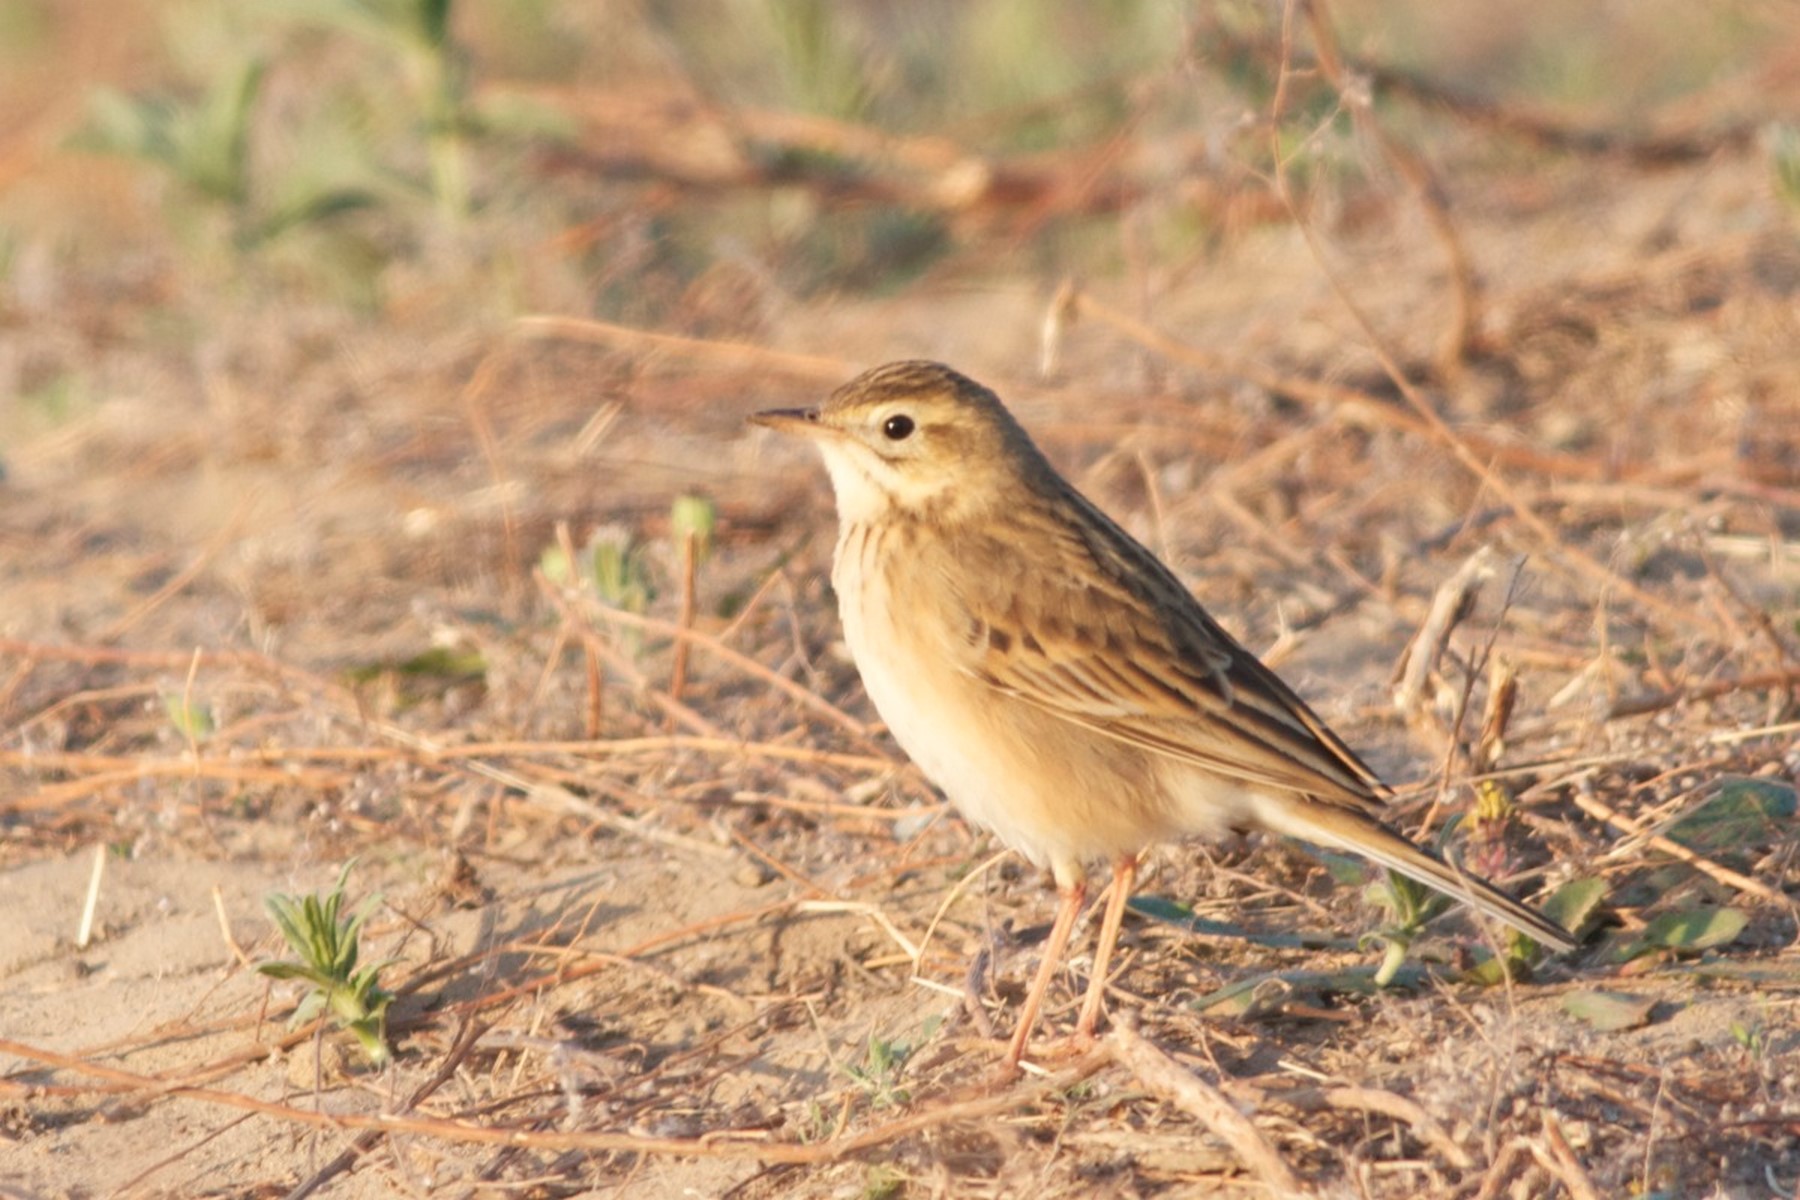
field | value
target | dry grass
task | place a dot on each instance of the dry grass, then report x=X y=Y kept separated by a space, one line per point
x=717 y=937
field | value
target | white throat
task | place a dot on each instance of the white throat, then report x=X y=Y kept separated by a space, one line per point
x=860 y=497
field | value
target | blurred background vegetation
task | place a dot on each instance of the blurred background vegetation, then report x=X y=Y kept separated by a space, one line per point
x=690 y=165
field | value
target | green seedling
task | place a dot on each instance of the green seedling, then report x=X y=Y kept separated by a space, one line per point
x=619 y=569
x=816 y=58
x=1752 y=1036
x=1410 y=907
x=326 y=953
x=202 y=142
x=1784 y=159
x=193 y=722
x=418 y=35
x=693 y=517
x=883 y=1181
x=879 y=1073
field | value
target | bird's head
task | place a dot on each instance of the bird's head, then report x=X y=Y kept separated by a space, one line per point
x=915 y=436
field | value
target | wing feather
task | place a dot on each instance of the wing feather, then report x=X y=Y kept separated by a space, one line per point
x=1107 y=638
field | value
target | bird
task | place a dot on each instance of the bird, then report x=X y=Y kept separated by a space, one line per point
x=1055 y=679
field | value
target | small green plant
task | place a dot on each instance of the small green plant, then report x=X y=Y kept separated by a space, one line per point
x=693 y=517
x=418 y=34
x=202 y=141
x=1752 y=1036
x=326 y=953
x=190 y=720
x=883 y=1181
x=879 y=1073
x=619 y=569
x=1784 y=157
x=613 y=563
x=818 y=1125
x=1410 y=907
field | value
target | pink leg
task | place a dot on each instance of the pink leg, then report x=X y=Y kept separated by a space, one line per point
x=1072 y=895
x=1124 y=873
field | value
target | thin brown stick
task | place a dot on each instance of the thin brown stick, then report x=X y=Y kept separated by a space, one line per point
x=1542 y=130
x=58 y=794
x=1464 y=308
x=1569 y=558
x=1560 y=1161
x=1388 y=1104
x=1160 y=1075
x=1341 y=402
x=231 y=943
x=1502 y=1168
x=1633 y=706
x=179 y=581
x=473 y=393
x=726 y=1144
x=1599 y=809
x=736 y=355
x=690 y=555
x=466 y=1040
x=425 y=751
x=809 y=699
x=682 y=714
x=595 y=713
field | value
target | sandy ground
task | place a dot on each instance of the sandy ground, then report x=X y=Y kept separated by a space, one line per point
x=694 y=932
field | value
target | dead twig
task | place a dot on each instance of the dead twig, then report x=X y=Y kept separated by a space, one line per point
x=466 y=1040
x=1388 y=1104
x=1600 y=810
x=1560 y=1160
x=1504 y=1164
x=736 y=355
x=728 y=1144
x=1454 y=599
x=1161 y=1076
x=809 y=699
x=1465 y=301
x=1635 y=706
x=1561 y=553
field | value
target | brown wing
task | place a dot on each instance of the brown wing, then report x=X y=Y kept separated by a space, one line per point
x=1116 y=644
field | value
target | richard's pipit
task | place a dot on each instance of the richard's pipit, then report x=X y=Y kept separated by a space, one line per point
x=1057 y=681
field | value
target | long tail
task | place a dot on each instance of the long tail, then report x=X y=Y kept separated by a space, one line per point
x=1345 y=829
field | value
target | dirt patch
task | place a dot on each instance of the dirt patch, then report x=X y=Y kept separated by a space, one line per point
x=279 y=587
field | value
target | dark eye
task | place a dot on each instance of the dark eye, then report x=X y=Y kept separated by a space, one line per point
x=898 y=427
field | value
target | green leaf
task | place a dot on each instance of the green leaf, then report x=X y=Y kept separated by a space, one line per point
x=310 y=1006
x=1695 y=928
x=1343 y=869
x=190 y=721
x=695 y=517
x=554 y=563
x=328 y=948
x=1271 y=992
x=1784 y=158
x=1572 y=905
x=217 y=157
x=1489 y=971
x=1769 y=976
x=1173 y=912
x=1742 y=815
x=313 y=208
x=1609 y=1012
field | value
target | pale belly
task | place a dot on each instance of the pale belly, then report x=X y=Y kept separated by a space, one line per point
x=1059 y=794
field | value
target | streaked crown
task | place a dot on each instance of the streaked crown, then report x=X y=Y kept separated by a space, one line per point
x=917 y=435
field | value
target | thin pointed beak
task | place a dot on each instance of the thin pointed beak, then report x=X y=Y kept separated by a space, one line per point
x=801 y=421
